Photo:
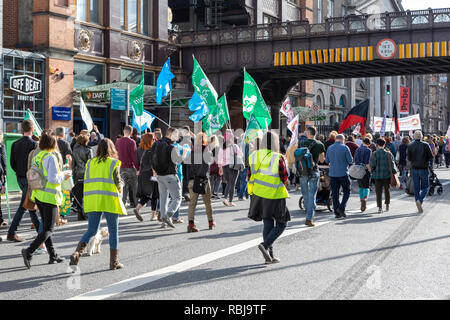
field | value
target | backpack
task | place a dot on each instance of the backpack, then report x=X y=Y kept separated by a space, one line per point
x=304 y=163
x=161 y=157
x=447 y=146
x=35 y=176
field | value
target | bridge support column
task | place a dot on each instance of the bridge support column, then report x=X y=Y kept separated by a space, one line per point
x=275 y=113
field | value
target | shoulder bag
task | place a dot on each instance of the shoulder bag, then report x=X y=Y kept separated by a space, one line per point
x=200 y=184
x=395 y=182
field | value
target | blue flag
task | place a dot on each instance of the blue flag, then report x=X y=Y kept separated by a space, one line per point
x=164 y=82
x=199 y=106
x=196 y=102
x=143 y=122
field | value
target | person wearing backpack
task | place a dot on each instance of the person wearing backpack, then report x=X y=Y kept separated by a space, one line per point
x=48 y=198
x=165 y=158
x=362 y=158
x=309 y=177
x=339 y=158
x=198 y=171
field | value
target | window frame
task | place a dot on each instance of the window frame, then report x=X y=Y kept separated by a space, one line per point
x=138 y=17
x=88 y=11
x=90 y=62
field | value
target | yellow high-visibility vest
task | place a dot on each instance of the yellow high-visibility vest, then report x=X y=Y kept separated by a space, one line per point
x=265 y=180
x=52 y=193
x=100 y=191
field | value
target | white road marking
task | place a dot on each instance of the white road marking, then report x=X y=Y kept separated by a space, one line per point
x=152 y=276
x=128 y=284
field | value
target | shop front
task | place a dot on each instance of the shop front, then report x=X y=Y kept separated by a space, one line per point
x=23 y=88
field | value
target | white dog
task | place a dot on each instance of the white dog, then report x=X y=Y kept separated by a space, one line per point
x=94 y=245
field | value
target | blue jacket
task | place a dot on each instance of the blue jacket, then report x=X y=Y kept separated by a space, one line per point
x=339 y=158
x=362 y=155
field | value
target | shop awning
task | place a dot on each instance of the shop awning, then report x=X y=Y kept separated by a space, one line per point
x=308 y=114
x=180 y=97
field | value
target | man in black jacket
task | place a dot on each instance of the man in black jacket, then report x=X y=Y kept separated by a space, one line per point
x=63 y=145
x=19 y=163
x=420 y=155
x=164 y=160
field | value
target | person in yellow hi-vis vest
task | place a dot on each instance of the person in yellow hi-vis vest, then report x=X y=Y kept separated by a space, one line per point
x=47 y=199
x=102 y=195
x=267 y=189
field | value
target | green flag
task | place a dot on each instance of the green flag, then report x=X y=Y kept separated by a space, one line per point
x=37 y=129
x=202 y=85
x=254 y=129
x=253 y=102
x=217 y=117
x=137 y=96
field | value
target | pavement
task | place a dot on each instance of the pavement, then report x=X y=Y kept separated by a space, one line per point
x=399 y=254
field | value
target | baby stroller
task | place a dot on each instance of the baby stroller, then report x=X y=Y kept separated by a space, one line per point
x=435 y=184
x=323 y=197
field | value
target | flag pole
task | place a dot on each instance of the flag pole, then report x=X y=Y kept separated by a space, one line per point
x=128 y=104
x=7 y=201
x=170 y=107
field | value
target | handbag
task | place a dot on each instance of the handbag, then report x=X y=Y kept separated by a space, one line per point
x=357 y=171
x=238 y=163
x=395 y=182
x=28 y=203
x=200 y=184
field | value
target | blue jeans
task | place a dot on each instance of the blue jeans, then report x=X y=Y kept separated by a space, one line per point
x=309 y=186
x=23 y=184
x=272 y=232
x=112 y=220
x=336 y=184
x=243 y=190
x=421 y=183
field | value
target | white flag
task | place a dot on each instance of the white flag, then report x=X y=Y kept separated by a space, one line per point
x=286 y=109
x=293 y=127
x=86 y=116
x=448 y=132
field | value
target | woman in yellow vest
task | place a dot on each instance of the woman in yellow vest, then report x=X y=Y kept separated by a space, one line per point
x=267 y=187
x=102 y=189
x=47 y=199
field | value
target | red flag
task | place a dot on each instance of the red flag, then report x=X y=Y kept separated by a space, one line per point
x=357 y=114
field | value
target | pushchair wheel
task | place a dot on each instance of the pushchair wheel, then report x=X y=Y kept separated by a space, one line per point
x=431 y=191
x=301 y=203
x=440 y=190
x=330 y=204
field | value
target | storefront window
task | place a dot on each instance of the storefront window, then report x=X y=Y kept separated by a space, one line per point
x=134 y=76
x=17 y=103
x=88 y=74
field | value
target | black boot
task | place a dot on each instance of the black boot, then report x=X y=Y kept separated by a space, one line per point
x=26 y=258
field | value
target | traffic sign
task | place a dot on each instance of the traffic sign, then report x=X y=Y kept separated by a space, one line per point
x=386 y=49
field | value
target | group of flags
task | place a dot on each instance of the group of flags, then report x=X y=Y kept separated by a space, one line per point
x=358 y=115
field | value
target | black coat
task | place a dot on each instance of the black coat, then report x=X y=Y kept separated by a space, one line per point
x=261 y=208
x=146 y=187
x=80 y=155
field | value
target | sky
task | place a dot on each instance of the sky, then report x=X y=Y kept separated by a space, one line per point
x=425 y=4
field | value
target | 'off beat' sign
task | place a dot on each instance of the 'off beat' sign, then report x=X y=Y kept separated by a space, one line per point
x=25 y=84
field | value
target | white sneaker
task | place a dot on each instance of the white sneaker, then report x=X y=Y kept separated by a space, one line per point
x=41 y=251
